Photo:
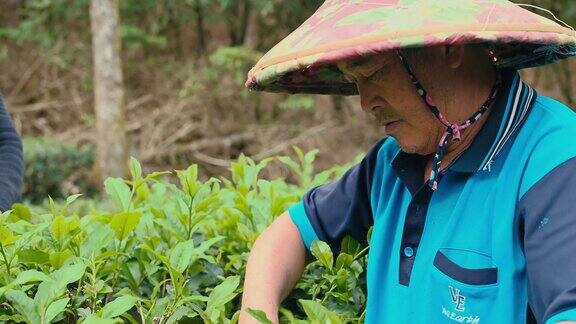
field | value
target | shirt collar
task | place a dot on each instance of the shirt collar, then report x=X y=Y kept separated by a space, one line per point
x=509 y=113
x=510 y=110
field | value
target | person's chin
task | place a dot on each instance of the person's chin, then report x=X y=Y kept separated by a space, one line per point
x=409 y=149
x=406 y=145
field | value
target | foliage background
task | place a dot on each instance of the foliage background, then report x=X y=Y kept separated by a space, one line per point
x=163 y=253
x=184 y=65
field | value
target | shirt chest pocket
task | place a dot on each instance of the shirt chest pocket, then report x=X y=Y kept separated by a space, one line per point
x=462 y=287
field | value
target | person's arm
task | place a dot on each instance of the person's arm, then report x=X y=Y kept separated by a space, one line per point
x=328 y=213
x=275 y=264
x=11 y=161
x=547 y=211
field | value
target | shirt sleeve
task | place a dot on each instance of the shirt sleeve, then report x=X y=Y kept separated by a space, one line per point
x=11 y=160
x=334 y=210
x=549 y=224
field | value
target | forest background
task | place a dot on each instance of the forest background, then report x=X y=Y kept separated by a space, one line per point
x=184 y=64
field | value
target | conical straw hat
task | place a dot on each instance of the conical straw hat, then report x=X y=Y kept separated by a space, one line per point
x=304 y=62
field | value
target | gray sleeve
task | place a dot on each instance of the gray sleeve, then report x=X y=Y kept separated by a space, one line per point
x=549 y=224
x=11 y=160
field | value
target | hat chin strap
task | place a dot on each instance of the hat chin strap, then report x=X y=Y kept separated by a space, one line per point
x=453 y=131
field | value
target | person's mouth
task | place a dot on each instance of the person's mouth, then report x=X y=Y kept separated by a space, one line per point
x=383 y=117
x=391 y=126
x=390 y=123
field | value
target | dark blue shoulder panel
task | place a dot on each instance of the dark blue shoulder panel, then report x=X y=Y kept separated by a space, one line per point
x=548 y=211
x=343 y=207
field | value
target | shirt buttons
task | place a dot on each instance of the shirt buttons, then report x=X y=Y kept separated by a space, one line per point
x=408 y=251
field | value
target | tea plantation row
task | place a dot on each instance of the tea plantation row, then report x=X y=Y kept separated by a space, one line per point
x=168 y=252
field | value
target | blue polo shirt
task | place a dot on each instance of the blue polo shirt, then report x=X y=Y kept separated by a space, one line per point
x=495 y=243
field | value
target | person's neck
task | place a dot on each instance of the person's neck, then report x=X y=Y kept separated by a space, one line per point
x=466 y=102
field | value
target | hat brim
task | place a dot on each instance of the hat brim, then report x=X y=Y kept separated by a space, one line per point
x=304 y=62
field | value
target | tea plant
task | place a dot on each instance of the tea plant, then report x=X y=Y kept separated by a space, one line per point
x=166 y=252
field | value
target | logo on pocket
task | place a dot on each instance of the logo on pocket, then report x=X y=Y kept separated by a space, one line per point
x=457 y=299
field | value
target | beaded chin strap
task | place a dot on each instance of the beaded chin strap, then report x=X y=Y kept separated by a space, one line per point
x=452 y=130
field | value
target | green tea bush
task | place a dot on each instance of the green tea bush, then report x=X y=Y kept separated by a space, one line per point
x=165 y=253
x=55 y=169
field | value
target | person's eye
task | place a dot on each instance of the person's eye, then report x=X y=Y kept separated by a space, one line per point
x=379 y=75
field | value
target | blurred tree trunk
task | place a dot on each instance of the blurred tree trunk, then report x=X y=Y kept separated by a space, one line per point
x=232 y=17
x=238 y=17
x=111 y=150
x=246 y=10
x=199 y=13
x=252 y=38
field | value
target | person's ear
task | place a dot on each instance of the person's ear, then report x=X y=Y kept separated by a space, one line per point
x=454 y=55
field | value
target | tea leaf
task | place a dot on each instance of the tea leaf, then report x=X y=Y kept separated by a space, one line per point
x=309 y=157
x=318 y=313
x=25 y=305
x=205 y=318
x=5 y=288
x=356 y=267
x=135 y=169
x=299 y=153
x=119 y=191
x=344 y=261
x=52 y=204
x=350 y=246
x=204 y=246
x=181 y=255
x=69 y=273
x=259 y=315
x=27 y=276
x=322 y=252
x=160 y=257
x=55 y=309
x=290 y=163
x=124 y=223
x=94 y=319
x=179 y=313
x=59 y=228
x=72 y=198
x=220 y=296
x=142 y=192
x=118 y=306
x=369 y=235
x=33 y=256
x=21 y=212
x=97 y=239
x=49 y=290
x=57 y=258
x=7 y=237
x=188 y=179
